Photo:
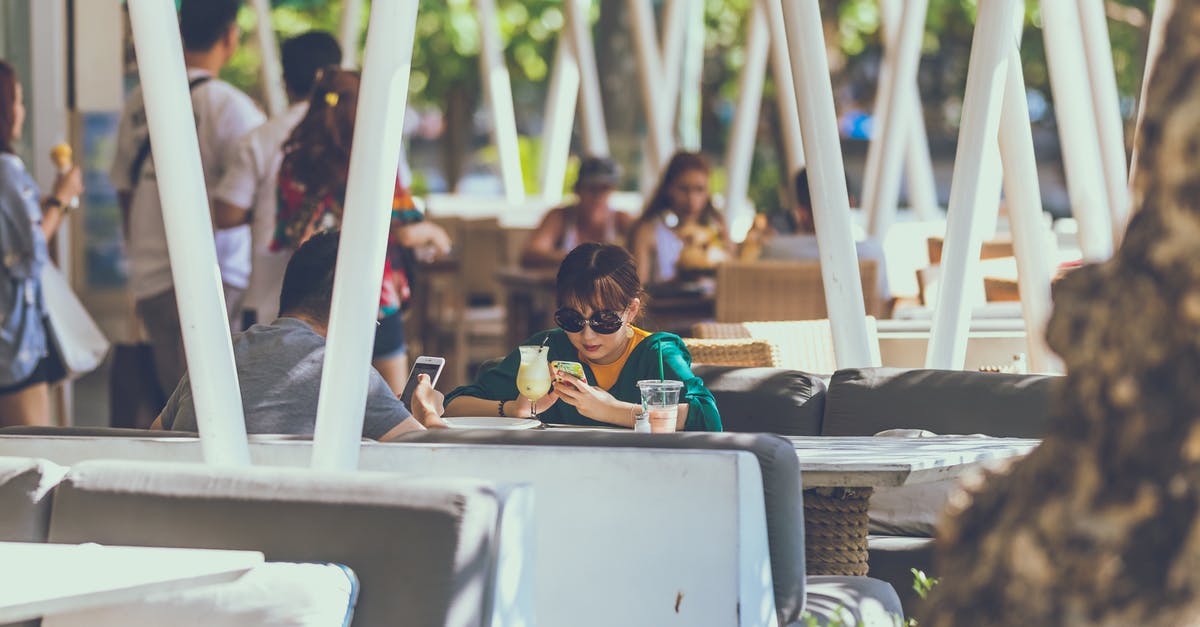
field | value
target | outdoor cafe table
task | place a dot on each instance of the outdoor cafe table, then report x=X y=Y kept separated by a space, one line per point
x=530 y=301
x=840 y=473
x=41 y=579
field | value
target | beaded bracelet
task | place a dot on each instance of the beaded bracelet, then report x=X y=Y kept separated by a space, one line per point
x=500 y=410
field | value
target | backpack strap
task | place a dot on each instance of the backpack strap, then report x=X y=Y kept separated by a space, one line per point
x=143 y=153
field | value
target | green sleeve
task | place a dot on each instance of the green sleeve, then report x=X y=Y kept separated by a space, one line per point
x=677 y=365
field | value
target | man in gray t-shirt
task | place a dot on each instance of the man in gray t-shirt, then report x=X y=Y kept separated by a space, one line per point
x=279 y=365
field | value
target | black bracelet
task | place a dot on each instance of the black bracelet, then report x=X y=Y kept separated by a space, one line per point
x=501 y=409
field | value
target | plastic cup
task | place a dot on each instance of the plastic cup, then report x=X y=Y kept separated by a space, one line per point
x=661 y=399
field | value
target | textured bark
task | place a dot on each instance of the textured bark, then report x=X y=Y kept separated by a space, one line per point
x=1099 y=525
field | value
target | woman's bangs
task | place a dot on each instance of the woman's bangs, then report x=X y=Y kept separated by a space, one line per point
x=597 y=294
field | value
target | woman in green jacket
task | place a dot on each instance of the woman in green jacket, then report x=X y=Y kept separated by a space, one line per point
x=599 y=299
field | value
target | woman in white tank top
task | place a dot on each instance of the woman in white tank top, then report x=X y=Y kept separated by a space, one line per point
x=681 y=201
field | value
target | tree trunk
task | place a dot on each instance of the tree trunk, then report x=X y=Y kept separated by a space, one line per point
x=456 y=147
x=1099 y=525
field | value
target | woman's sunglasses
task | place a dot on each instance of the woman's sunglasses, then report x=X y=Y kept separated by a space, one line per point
x=604 y=322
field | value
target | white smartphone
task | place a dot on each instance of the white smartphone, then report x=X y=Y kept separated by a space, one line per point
x=431 y=366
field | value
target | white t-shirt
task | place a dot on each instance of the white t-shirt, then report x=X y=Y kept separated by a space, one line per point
x=223 y=116
x=251 y=180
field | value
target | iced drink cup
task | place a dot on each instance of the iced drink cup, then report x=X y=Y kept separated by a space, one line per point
x=661 y=400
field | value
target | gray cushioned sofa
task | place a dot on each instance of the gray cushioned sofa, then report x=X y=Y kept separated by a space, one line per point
x=867 y=401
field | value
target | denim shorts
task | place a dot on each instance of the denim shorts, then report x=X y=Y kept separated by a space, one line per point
x=389 y=337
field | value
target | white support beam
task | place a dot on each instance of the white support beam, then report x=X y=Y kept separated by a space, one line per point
x=674 y=41
x=1106 y=103
x=374 y=158
x=272 y=71
x=351 y=29
x=651 y=76
x=497 y=92
x=193 y=252
x=1035 y=266
x=974 y=190
x=742 y=136
x=827 y=181
x=559 y=120
x=578 y=29
x=1077 y=133
x=785 y=88
x=1163 y=9
x=691 y=78
x=895 y=100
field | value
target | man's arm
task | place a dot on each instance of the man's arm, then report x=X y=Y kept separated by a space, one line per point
x=227 y=215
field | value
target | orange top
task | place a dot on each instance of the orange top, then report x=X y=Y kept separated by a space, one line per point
x=607 y=375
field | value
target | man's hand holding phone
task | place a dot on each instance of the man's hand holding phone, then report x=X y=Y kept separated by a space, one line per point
x=426 y=405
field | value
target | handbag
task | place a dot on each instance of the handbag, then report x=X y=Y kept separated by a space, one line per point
x=80 y=342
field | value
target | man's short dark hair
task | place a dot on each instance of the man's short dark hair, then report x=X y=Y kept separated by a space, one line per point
x=303 y=55
x=308 y=280
x=202 y=23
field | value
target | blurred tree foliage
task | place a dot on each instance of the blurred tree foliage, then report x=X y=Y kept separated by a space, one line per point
x=445 y=71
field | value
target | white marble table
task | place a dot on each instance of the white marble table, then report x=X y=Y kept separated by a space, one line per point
x=839 y=475
x=875 y=461
x=41 y=579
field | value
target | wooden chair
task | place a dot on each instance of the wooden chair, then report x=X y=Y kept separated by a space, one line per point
x=783 y=290
x=733 y=352
x=805 y=345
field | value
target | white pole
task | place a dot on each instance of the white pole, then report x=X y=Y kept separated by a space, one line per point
x=1163 y=9
x=827 y=180
x=1106 y=102
x=373 y=161
x=272 y=71
x=918 y=163
x=176 y=152
x=1034 y=264
x=896 y=102
x=351 y=30
x=674 y=40
x=745 y=121
x=1078 y=139
x=974 y=188
x=497 y=91
x=650 y=73
x=691 y=78
x=579 y=32
x=785 y=88
x=559 y=120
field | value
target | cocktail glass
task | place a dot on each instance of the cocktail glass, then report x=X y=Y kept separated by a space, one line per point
x=533 y=377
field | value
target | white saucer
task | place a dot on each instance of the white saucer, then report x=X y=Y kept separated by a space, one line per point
x=491 y=422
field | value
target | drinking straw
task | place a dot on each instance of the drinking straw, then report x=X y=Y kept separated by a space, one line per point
x=545 y=338
x=661 y=377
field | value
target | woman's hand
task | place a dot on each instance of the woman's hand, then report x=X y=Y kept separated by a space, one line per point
x=68 y=185
x=424 y=235
x=594 y=402
x=523 y=408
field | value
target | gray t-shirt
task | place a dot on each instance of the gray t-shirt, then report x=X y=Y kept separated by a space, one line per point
x=279 y=372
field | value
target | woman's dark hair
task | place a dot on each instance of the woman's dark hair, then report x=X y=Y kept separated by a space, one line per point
x=600 y=276
x=8 y=105
x=317 y=154
x=304 y=56
x=308 y=279
x=660 y=201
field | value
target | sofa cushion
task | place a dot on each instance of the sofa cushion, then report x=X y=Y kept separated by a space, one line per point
x=776 y=459
x=863 y=601
x=865 y=401
x=274 y=594
x=26 y=486
x=766 y=400
x=419 y=545
x=892 y=558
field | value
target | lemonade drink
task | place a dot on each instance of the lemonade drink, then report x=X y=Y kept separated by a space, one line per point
x=533 y=376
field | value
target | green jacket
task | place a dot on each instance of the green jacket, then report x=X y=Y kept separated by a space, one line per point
x=500 y=382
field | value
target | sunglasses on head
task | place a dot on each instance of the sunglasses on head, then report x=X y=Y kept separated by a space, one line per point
x=605 y=322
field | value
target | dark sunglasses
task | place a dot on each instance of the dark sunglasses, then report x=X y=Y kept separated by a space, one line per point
x=604 y=322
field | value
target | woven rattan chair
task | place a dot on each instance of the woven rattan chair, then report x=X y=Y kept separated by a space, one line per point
x=747 y=353
x=783 y=290
x=805 y=345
